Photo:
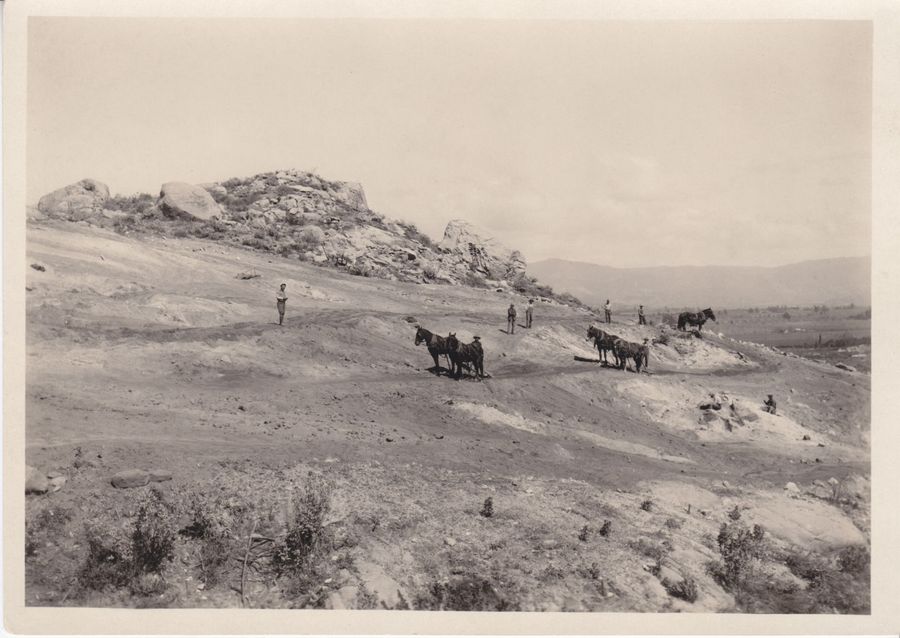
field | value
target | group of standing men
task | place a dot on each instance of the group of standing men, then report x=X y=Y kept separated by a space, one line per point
x=511 y=317
x=607 y=310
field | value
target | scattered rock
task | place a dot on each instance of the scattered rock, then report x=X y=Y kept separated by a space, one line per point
x=806 y=437
x=35 y=482
x=549 y=543
x=343 y=598
x=178 y=199
x=792 y=488
x=56 y=483
x=450 y=541
x=130 y=478
x=158 y=476
x=38 y=267
x=844 y=366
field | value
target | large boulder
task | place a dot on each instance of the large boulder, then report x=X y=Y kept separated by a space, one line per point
x=178 y=199
x=130 y=478
x=481 y=251
x=35 y=482
x=75 y=201
x=352 y=194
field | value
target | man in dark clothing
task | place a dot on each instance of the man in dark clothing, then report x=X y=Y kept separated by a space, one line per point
x=511 y=320
x=641 y=320
x=770 y=405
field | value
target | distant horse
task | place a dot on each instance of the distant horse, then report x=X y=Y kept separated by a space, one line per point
x=640 y=353
x=695 y=318
x=436 y=346
x=605 y=342
x=465 y=353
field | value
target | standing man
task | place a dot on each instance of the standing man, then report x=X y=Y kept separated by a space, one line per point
x=511 y=320
x=641 y=320
x=280 y=299
x=528 y=313
x=608 y=310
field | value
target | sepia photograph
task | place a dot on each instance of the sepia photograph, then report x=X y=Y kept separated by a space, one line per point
x=448 y=315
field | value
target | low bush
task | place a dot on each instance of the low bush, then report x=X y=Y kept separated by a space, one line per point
x=739 y=548
x=685 y=589
x=463 y=593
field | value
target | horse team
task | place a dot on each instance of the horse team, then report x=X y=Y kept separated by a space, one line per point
x=471 y=355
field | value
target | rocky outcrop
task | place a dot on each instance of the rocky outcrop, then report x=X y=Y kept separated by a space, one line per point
x=481 y=252
x=352 y=194
x=301 y=215
x=76 y=201
x=177 y=199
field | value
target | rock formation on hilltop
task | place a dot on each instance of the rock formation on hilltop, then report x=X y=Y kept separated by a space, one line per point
x=301 y=215
x=76 y=201
x=482 y=252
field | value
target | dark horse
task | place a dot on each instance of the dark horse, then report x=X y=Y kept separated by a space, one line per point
x=605 y=342
x=695 y=318
x=640 y=353
x=465 y=353
x=436 y=346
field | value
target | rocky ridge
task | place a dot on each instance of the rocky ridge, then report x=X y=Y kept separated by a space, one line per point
x=301 y=215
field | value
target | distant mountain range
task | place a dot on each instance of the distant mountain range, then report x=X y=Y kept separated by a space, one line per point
x=825 y=281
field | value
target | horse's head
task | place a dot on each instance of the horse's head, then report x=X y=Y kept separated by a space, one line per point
x=592 y=332
x=421 y=335
x=452 y=342
x=709 y=313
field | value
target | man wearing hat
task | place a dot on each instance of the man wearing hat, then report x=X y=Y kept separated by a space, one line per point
x=511 y=319
x=770 y=405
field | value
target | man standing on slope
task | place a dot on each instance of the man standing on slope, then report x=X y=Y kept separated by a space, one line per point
x=529 y=309
x=608 y=310
x=641 y=320
x=280 y=299
x=511 y=320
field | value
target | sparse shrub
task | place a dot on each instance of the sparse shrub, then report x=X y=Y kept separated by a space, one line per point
x=135 y=205
x=739 y=547
x=429 y=270
x=487 y=510
x=735 y=514
x=210 y=523
x=685 y=589
x=855 y=560
x=669 y=320
x=306 y=531
x=310 y=237
x=473 y=280
x=584 y=534
x=366 y=598
x=463 y=593
x=153 y=538
x=674 y=523
x=605 y=529
x=46 y=525
x=647 y=505
x=108 y=561
x=115 y=557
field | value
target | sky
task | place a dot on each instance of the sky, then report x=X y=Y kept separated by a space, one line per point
x=617 y=143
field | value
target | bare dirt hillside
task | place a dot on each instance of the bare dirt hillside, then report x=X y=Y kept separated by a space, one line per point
x=609 y=489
